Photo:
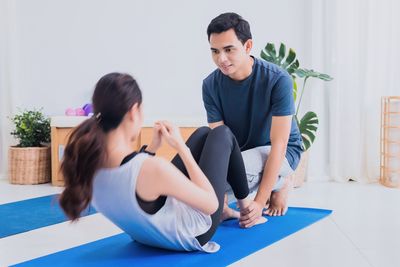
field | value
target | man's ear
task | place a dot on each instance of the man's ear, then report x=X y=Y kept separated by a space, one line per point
x=248 y=45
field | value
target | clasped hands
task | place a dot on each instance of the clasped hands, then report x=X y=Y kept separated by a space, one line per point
x=164 y=130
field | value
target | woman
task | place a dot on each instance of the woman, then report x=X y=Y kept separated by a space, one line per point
x=175 y=206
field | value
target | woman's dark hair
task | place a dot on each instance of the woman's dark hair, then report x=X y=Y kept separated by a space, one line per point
x=114 y=95
x=227 y=21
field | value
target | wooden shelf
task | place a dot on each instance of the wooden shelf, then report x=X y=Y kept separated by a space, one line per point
x=391 y=127
x=388 y=183
x=390 y=141
x=390 y=156
x=389 y=122
x=390 y=170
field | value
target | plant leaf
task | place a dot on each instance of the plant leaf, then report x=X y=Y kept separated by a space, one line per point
x=306 y=144
x=282 y=52
x=290 y=58
x=270 y=48
x=308 y=127
x=300 y=73
x=292 y=67
x=269 y=54
x=266 y=56
x=305 y=73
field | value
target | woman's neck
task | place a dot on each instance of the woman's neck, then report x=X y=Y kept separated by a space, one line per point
x=119 y=144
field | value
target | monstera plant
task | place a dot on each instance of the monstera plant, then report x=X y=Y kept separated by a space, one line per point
x=308 y=124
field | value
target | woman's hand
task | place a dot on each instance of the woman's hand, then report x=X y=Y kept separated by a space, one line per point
x=157 y=139
x=172 y=135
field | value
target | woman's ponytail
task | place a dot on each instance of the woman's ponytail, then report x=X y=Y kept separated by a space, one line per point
x=83 y=156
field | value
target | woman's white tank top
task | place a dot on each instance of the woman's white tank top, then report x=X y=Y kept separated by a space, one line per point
x=175 y=226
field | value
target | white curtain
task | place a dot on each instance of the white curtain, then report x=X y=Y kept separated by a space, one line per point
x=2 y=86
x=6 y=95
x=358 y=43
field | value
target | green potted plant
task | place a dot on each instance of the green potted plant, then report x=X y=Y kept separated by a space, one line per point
x=308 y=124
x=29 y=161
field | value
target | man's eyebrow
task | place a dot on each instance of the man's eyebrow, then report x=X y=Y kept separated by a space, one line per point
x=225 y=47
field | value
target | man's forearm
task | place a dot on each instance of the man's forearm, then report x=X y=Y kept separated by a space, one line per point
x=271 y=172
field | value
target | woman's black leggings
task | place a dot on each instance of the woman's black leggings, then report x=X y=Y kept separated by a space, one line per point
x=218 y=155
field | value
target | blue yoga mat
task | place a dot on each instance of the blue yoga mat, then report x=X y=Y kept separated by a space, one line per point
x=22 y=216
x=235 y=242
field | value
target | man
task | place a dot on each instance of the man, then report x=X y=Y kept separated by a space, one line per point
x=254 y=99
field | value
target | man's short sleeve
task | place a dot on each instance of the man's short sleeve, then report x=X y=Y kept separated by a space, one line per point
x=282 y=97
x=210 y=104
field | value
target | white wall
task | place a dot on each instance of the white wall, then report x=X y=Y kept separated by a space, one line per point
x=59 y=49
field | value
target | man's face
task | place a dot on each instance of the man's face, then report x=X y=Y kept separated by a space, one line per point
x=228 y=52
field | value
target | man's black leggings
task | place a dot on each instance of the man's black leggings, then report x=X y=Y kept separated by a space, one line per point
x=218 y=155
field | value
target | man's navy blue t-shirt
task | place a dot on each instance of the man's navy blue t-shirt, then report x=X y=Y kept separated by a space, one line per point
x=247 y=106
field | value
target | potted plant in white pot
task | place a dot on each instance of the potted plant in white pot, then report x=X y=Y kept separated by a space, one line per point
x=29 y=162
x=308 y=124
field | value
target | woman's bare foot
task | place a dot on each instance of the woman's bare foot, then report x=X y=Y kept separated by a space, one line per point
x=278 y=202
x=228 y=213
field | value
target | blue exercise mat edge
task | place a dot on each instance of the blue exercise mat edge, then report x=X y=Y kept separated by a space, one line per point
x=30 y=214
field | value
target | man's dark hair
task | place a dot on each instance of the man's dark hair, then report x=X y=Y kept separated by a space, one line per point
x=227 y=21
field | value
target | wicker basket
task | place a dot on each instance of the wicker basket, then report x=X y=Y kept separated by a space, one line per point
x=299 y=175
x=29 y=165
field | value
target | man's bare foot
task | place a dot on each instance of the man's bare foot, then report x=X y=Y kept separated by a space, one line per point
x=244 y=203
x=267 y=204
x=278 y=202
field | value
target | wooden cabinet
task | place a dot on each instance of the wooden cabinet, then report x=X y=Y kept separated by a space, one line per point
x=59 y=137
x=60 y=133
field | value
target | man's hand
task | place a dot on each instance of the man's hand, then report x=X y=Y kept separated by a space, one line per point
x=251 y=215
